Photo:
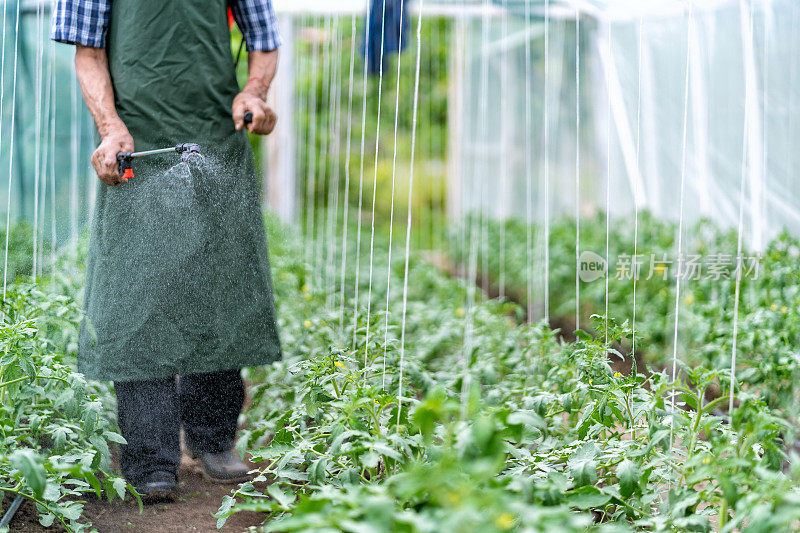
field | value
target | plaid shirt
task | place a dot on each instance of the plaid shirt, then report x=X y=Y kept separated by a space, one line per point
x=86 y=21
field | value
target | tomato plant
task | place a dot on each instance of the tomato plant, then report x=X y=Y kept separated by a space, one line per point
x=55 y=427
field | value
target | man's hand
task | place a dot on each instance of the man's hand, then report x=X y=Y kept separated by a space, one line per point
x=264 y=118
x=104 y=159
x=253 y=97
x=91 y=67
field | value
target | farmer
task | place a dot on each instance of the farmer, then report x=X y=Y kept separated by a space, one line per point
x=178 y=285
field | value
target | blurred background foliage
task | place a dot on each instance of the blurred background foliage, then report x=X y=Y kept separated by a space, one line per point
x=323 y=49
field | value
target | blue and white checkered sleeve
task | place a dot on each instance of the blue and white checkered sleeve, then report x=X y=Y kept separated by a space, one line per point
x=256 y=19
x=81 y=22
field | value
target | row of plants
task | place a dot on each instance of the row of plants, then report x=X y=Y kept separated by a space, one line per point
x=475 y=420
x=768 y=358
x=501 y=426
x=56 y=428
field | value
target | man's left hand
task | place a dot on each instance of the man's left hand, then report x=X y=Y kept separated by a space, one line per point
x=264 y=118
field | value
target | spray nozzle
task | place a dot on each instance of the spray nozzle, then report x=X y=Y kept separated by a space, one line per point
x=187 y=150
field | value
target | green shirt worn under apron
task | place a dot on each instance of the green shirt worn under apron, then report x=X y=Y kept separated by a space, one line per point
x=178 y=276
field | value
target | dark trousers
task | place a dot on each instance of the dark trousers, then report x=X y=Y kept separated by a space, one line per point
x=151 y=414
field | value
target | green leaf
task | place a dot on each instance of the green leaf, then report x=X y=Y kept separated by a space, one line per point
x=120 y=486
x=30 y=466
x=729 y=490
x=59 y=438
x=628 y=476
x=583 y=466
x=525 y=418
x=369 y=459
x=341 y=438
x=114 y=437
x=224 y=510
x=90 y=416
x=283 y=436
x=72 y=511
x=566 y=401
x=47 y=520
x=284 y=500
x=52 y=492
x=291 y=474
x=316 y=472
x=383 y=449
x=102 y=446
x=94 y=482
x=587 y=497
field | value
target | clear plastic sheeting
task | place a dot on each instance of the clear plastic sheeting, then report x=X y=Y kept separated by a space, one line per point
x=634 y=93
x=733 y=47
x=52 y=129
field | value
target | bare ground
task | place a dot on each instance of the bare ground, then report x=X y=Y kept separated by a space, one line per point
x=198 y=501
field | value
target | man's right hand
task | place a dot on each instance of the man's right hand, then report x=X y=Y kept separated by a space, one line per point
x=104 y=159
x=91 y=68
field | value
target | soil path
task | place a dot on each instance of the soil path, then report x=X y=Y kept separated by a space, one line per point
x=198 y=501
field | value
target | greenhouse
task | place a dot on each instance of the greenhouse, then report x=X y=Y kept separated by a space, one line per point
x=400 y=265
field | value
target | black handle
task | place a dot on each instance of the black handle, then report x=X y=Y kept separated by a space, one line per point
x=124 y=164
x=248 y=117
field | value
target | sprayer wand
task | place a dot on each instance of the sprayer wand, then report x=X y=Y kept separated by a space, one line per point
x=124 y=159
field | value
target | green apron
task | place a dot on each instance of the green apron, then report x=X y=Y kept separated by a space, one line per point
x=178 y=276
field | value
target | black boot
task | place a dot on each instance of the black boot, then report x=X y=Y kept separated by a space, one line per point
x=158 y=487
x=224 y=467
x=210 y=405
x=149 y=419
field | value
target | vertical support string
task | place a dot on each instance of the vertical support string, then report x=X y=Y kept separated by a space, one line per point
x=46 y=156
x=680 y=226
x=53 y=155
x=346 y=201
x=409 y=214
x=361 y=181
x=3 y=72
x=608 y=178
x=577 y=170
x=334 y=143
x=37 y=144
x=747 y=33
x=311 y=146
x=324 y=171
x=302 y=67
x=11 y=149
x=75 y=127
x=765 y=112
x=484 y=151
x=528 y=168
x=391 y=201
x=375 y=185
x=546 y=156
x=790 y=112
x=467 y=349
x=504 y=74
x=634 y=264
